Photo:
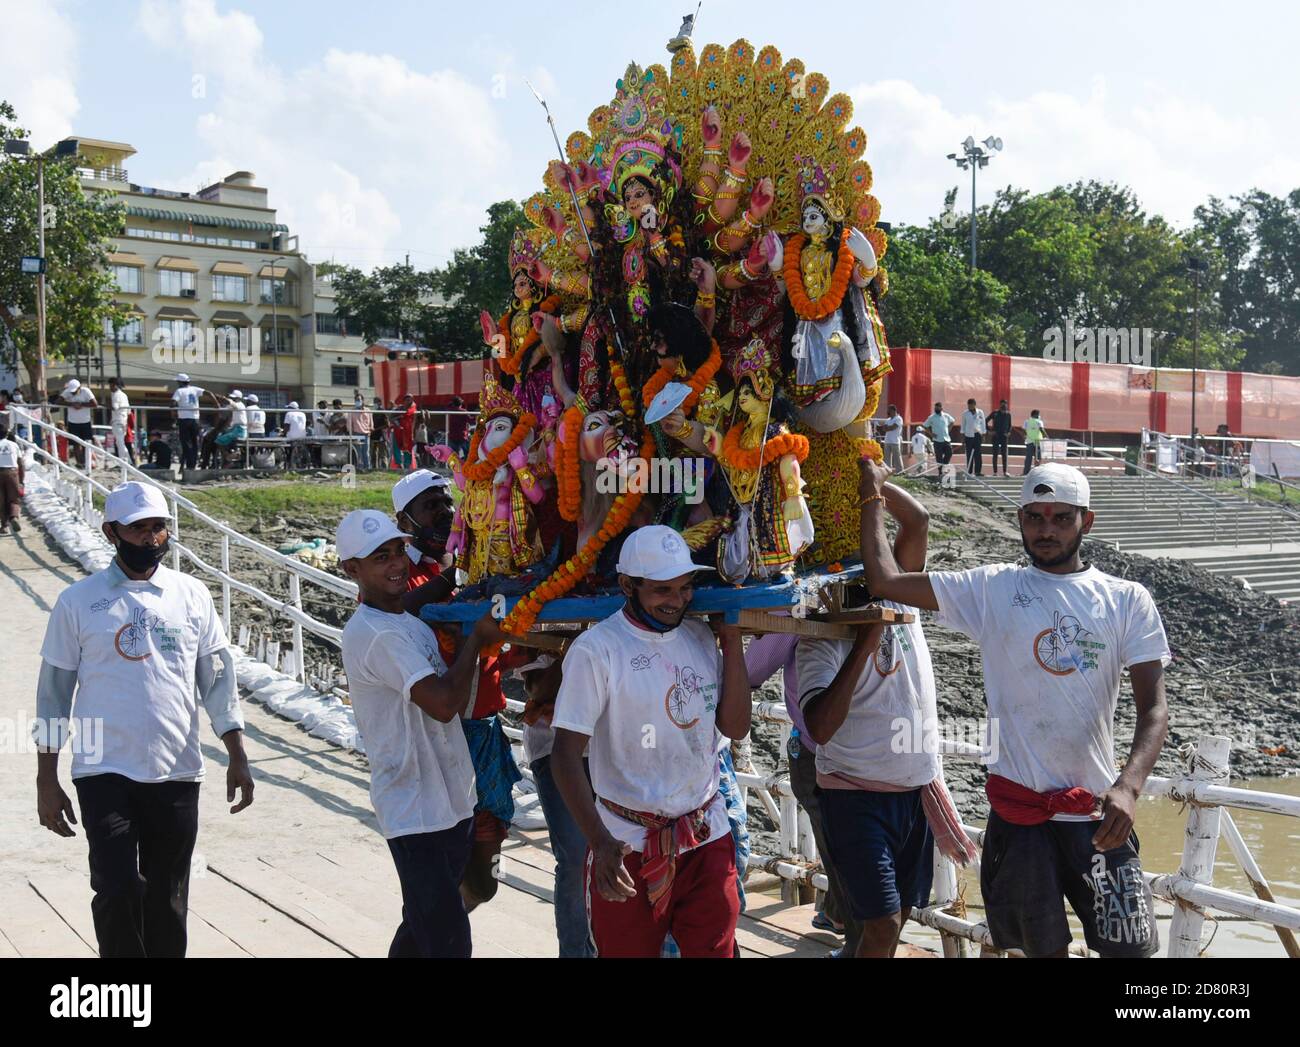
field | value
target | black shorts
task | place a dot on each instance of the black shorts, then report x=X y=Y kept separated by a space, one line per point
x=1027 y=872
x=881 y=847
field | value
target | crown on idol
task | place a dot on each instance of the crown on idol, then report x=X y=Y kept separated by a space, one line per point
x=816 y=184
x=525 y=248
x=632 y=135
x=755 y=363
x=496 y=400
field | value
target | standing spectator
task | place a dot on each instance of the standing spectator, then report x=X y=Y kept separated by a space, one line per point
x=336 y=423
x=295 y=431
x=256 y=416
x=404 y=433
x=20 y=416
x=893 y=427
x=1000 y=427
x=186 y=399
x=938 y=424
x=360 y=426
x=1035 y=434
x=120 y=407
x=921 y=449
x=973 y=426
x=319 y=423
x=380 y=453
x=458 y=428
x=79 y=401
x=11 y=482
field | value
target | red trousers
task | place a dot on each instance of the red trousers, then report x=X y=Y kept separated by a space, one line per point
x=701 y=914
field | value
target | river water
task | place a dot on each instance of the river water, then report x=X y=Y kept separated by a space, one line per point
x=1273 y=839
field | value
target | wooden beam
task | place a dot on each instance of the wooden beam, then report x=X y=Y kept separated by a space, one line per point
x=839 y=626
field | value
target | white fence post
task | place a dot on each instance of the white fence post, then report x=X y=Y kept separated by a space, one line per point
x=945 y=894
x=176 y=534
x=295 y=594
x=1207 y=762
x=225 y=581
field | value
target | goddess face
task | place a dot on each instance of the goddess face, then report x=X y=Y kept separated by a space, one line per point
x=524 y=288
x=496 y=433
x=637 y=197
x=750 y=404
x=815 y=221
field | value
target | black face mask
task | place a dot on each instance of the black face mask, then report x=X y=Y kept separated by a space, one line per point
x=643 y=616
x=141 y=558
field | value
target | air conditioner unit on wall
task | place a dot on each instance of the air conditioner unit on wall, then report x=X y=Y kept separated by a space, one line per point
x=189 y=292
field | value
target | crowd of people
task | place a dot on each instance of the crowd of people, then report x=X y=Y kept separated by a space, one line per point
x=628 y=733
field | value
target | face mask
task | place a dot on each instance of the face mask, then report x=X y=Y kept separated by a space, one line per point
x=141 y=558
x=643 y=616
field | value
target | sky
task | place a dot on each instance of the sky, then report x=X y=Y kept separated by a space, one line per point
x=386 y=128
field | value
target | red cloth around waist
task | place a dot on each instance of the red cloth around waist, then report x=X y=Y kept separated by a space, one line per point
x=1020 y=805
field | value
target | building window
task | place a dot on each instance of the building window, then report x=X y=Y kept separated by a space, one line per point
x=330 y=323
x=343 y=375
x=129 y=332
x=278 y=291
x=127 y=278
x=279 y=340
x=230 y=289
x=175 y=334
x=230 y=338
x=173 y=282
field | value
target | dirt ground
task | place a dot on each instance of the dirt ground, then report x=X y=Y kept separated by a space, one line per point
x=1236 y=653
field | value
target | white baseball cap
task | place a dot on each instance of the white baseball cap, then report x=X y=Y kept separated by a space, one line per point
x=126 y=503
x=182 y=377
x=251 y=398
x=235 y=394
x=293 y=405
x=72 y=386
x=412 y=484
x=363 y=531
x=1055 y=482
x=658 y=553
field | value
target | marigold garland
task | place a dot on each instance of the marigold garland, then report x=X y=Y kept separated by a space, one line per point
x=621 y=383
x=747 y=458
x=804 y=307
x=521 y=619
x=476 y=470
x=698 y=381
x=568 y=478
x=515 y=360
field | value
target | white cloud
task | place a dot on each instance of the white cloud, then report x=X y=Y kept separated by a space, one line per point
x=38 y=63
x=1173 y=154
x=364 y=156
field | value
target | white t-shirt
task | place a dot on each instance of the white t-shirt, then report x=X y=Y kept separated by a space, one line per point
x=256 y=422
x=938 y=424
x=648 y=701
x=1054 y=646
x=9 y=454
x=421 y=777
x=134 y=646
x=295 y=425
x=79 y=415
x=892 y=428
x=973 y=423
x=238 y=414
x=186 y=399
x=920 y=444
x=121 y=407
x=891 y=731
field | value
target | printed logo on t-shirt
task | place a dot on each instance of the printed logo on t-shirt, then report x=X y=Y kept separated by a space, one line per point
x=889 y=655
x=643 y=661
x=100 y=605
x=1065 y=647
x=132 y=640
x=685 y=696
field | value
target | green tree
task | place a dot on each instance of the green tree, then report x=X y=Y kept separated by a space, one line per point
x=392 y=298
x=476 y=278
x=79 y=289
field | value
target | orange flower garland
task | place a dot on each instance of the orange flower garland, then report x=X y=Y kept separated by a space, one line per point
x=698 y=381
x=515 y=360
x=804 y=307
x=578 y=566
x=476 y=470
x=620 y=382
x=747 y=458
x=567 y=476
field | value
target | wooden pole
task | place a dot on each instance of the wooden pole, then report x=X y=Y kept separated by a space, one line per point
x=1208 y=762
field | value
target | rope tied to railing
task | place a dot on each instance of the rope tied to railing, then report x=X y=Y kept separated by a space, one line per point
x=957 y=907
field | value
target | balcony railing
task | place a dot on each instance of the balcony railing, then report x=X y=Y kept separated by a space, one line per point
x=104 y=174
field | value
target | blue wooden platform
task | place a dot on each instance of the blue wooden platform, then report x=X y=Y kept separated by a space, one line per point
x=727 y=600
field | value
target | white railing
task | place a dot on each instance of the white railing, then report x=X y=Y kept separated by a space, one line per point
x=1202 y=787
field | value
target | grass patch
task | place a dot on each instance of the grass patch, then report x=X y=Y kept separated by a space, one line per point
x=293 y=497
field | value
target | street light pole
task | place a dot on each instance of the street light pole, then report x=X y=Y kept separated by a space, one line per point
x=975 y=157
x=40 y=279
